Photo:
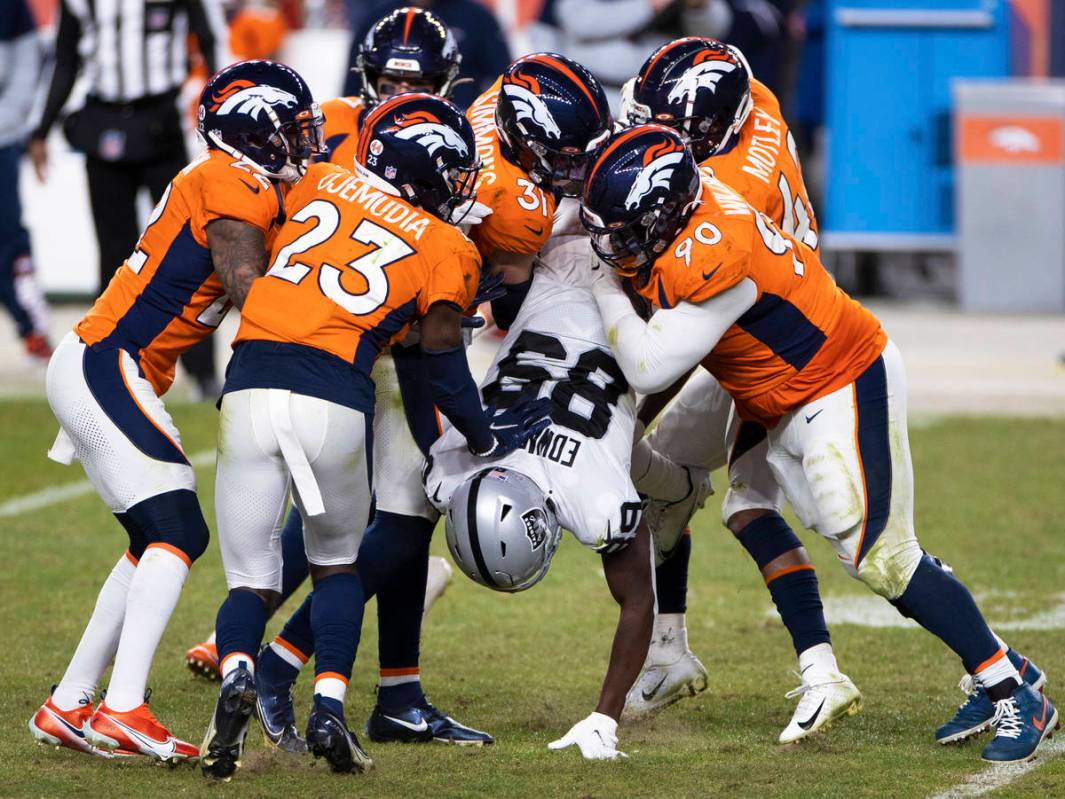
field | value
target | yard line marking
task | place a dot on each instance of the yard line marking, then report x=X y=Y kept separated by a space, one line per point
x=56 y=494
x=995 y=777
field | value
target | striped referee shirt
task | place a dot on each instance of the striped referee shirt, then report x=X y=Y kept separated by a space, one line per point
x=130 y=49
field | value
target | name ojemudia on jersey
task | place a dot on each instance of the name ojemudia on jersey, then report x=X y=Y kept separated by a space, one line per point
x=375 y=202
x=556 y=447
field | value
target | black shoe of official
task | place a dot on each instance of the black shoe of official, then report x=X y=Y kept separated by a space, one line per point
x=422 y=722
x=223 y=745
x=329 y=737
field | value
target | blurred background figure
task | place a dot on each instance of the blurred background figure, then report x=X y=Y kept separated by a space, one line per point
x=134 y=54
x=485 y=53
x=20 y=65
x=257 y=30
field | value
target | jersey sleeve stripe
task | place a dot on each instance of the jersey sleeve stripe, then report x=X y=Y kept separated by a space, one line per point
x=784 y=329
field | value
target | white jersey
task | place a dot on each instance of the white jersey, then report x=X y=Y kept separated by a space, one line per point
x=557 y=348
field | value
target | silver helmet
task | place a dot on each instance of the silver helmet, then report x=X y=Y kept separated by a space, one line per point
x=502 y=530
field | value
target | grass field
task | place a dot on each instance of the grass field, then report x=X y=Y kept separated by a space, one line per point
x=990 y=501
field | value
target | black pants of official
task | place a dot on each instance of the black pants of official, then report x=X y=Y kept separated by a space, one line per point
x=113 y=188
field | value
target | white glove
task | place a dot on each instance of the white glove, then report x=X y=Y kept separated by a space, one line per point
x=471 y=213
x=596 y=736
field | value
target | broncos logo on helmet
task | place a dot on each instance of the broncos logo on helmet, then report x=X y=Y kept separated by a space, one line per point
x=659 y=162
x=428 y=131
x=256 y=99
x=705 y=75
x=523 y=93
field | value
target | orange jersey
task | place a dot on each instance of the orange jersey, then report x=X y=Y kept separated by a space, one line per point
x=351 y=269
x=521 y=211
x=166 y=296
x=763 y=166
x=341 y=129
x=802 y=339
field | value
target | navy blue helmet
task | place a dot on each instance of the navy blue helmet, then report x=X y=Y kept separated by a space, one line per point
x=409 y=44
x=701 y=87
x=552 y=115
x=262 y=112
x=423 y=147
x=639 y=195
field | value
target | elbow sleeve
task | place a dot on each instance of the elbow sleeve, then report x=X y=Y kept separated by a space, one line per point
x=505 y=309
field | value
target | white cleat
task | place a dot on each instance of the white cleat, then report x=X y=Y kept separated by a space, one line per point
x=661 y=684
x=822 y=700
x=436 y=581
x=668 y=520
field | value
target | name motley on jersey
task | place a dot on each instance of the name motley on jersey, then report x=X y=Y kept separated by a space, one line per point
x=375 y=202
x=764 y=146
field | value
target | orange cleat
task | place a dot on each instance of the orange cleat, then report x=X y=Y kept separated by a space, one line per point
x=137 y=730
x=202 y=659
x=37 y=347
x=56 y=727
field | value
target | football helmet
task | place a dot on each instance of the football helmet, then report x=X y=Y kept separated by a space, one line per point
x=408 y=44
x=422 y=146
x=639 y=195
x=552 y=115
x=263 y=113
x=701 y=87
x=502 y=530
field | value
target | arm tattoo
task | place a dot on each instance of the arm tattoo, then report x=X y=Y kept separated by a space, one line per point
x=239 y=254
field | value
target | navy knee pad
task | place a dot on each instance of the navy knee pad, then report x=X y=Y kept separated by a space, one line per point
x=767 y=538
x=173 y=518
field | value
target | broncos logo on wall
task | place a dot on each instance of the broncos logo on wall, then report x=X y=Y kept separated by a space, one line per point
x=658 y=164
x=429 y=132
x=524 y=94
x=245 y=97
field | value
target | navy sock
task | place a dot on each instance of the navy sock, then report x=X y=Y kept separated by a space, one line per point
x=939 y=602
x=798 y=602
x=240 y=624
x=334 y=705
x=297 y=630
x=336 y=620
x=395 y=551
x=671 y=578
x=273 y=669
x=293 y=555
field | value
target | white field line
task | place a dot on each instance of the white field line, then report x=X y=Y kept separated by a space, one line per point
x=56 y=494
x=995 y=777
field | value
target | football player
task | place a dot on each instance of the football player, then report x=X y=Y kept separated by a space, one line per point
x=205 y=242
x=503 y=523
x=806 y=362
x=406 y=50
x=732 y=123
x=298 y=401
x=525 y=163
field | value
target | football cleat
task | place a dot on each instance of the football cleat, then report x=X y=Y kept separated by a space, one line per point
x=329 y=737
x=437 y=580
x=38 y=350
x=56 y=727
x=1021 y=722
x=136 y=731
x=667 y=521
x=223 y=745
x=202 y=660
x=419 y=723
x=822 y=700
x=276 y=712
x=975 y=713
x=661 y=684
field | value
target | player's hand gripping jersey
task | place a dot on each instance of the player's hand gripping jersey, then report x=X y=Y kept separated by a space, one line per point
x=341 y=129
x=803 y=338
x=557 y=348
x=522 y=212
x=764 y=167
x=350 y=270
x=166 y=296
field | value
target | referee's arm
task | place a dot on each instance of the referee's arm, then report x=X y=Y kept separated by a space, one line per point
x=67 y=64
x=207 y=23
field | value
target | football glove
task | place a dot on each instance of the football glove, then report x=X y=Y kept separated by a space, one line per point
x=515 y=425
x=469 y=214
x=596 y=737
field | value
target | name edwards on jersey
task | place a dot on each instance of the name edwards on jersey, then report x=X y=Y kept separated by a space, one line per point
x=375 y=202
